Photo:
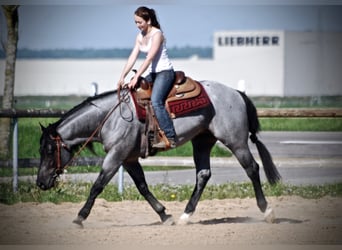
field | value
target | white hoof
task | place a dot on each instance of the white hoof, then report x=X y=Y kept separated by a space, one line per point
x=78 y=221
x=184 y=219
x=269 y=215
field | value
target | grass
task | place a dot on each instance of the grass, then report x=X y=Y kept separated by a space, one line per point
x=29 y=134
x=29 y=129
x=67 y=102
x=71 y=192
x=27 y=171
x=301 y=124
x=298 y=102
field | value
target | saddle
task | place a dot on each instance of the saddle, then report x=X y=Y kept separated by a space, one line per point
x=185 y=96
x=183 y=88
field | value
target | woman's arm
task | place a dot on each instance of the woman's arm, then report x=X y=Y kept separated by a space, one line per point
x=130 y=62
x=157 y=41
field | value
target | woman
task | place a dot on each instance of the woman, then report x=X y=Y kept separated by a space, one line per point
x=152 y=42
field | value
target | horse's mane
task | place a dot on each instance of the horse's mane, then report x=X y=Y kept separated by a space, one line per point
x=88 y=101
x=52 y=128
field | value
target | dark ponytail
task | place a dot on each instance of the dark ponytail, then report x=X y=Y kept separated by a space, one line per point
x=148 y=14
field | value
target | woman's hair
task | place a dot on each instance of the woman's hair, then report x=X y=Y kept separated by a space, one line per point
x=148 y=14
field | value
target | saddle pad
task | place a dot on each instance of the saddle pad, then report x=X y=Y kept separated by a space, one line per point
x=180 y=107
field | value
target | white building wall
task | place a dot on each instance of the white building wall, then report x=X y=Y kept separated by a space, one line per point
x=313 y=63
x=257 y=57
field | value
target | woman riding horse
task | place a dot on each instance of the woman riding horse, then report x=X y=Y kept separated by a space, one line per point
x=151 y=41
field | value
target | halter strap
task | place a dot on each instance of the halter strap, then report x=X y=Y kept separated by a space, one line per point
x=59 y=145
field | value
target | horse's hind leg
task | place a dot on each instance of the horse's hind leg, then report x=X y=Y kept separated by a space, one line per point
x=134 y=169
x=251 y=167
x=202 y=145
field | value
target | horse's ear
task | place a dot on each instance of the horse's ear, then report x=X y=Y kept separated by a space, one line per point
x=42 y=127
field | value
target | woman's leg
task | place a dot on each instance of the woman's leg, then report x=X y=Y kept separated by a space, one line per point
x=161 y=87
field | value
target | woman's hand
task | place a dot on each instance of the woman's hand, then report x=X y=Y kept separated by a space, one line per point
x=133 y=82
x=121 y=83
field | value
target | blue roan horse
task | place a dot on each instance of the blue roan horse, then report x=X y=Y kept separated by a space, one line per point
x=231 y=119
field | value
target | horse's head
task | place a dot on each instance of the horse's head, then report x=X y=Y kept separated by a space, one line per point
x=54 y=155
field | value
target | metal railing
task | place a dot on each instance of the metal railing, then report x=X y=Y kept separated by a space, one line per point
x=14 y=114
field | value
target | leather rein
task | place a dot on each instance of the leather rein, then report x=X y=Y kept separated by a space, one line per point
x=60 y=144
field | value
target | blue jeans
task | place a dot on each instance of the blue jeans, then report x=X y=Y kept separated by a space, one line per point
x=162 y=84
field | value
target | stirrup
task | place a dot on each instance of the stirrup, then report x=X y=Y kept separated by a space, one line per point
x=162 y=144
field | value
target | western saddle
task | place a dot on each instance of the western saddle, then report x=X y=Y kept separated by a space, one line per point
x=183 y=88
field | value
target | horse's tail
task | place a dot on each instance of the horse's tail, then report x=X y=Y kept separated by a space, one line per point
x=270 y=169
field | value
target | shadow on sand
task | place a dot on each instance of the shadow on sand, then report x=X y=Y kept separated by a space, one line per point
x=247 y=220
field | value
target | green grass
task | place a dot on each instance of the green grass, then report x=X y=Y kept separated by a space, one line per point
x=301 y=124
x=29 y=134
x=298 y=102
x=67 y=102
x=71 y=192
x=8 y=172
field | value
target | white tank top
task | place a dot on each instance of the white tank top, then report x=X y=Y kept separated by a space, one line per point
x=161 y=60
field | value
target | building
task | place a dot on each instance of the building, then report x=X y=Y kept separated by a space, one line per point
x=263 y=63
x=281 y=63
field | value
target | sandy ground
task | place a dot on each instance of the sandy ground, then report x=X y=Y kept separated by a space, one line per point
x=216 y=222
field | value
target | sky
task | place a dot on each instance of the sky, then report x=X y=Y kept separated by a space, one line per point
x=110 y=24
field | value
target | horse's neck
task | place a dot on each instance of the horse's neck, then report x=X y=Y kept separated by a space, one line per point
x=75 y=131
x=79 y=125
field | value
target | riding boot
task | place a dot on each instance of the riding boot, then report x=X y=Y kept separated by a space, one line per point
x=162 y=144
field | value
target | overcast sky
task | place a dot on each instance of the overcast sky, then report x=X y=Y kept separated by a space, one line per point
x=111 y=25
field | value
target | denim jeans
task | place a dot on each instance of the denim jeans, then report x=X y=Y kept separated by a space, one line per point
x=162 y=84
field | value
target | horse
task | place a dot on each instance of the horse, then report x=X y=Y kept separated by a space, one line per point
x=109 y=118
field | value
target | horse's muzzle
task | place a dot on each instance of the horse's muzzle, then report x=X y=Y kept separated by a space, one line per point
x=47 y=185
x=41 y=185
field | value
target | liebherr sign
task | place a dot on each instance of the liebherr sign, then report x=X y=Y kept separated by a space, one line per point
x=245 y=38
x=247 y=44
x=248 y=40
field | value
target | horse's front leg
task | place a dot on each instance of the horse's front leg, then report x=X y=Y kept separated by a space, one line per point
x=135 y=170
x=109 y=167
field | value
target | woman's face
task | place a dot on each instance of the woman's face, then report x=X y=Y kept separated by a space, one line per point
x=141 y=23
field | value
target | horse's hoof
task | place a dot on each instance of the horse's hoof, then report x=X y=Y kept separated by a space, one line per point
x=269 y=215
x=78 y=221
x=168 y=221
x=184 y=219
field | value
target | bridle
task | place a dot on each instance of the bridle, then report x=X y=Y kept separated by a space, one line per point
x=60 y=144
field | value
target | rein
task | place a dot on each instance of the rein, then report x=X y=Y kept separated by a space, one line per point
x=60 y=143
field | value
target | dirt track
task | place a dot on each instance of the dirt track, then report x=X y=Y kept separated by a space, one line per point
x=216 y=222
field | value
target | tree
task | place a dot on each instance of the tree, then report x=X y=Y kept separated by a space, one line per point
x=12 y=20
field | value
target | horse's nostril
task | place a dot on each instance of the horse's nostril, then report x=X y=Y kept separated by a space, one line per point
x=41 y=185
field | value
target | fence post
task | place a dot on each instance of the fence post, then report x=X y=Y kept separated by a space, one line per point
x=15 y=155
x=121 y=180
